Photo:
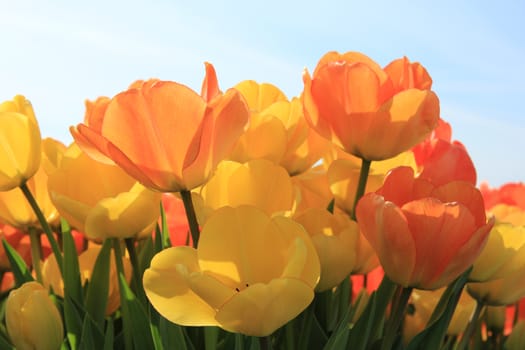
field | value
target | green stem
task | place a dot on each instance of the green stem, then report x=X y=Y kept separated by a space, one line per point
x=396 y=318
x=36 y=253
x=43 y=222
x=190 y=215
x=361 y=185
x=465 y=339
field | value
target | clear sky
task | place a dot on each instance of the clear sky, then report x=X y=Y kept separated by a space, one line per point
x=59 y=53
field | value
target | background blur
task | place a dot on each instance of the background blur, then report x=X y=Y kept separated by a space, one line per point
x=59 y=53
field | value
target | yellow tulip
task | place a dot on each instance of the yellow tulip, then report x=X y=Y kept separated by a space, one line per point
x=424 y=302
x=101 y=200
x=251 y=274
x=14 y=207
x=86 y=261
x=499 y=269
x=294 y=145
x=335 y=238
x=343 y=176
x=19 y=143
x=258 y=182
x=33 y=321
x=312 y=189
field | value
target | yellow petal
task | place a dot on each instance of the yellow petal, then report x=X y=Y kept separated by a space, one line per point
x=167 y=288
x=123 y=216
x=262 y=308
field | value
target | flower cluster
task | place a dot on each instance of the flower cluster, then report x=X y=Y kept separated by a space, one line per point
x=345 y=217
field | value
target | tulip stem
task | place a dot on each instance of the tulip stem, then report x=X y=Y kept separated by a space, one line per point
x=190 y=215
x=128 y=342
x=43 y=222
x=396 y=317
x=36 y=253
x=265 y=343
x=465 y=339
x=361 y=185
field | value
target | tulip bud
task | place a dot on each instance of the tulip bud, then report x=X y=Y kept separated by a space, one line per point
x=33 y=321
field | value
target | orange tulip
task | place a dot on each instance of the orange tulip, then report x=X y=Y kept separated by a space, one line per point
x=441 y=160
x=424 y=235
x=369 y=112
x=164 y=134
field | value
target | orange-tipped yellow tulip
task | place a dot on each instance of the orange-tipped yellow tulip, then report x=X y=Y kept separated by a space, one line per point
x=251 y=274
x=19 y=143
x=32 y=320
x=369 y=112
x=164 y=134
x=101 y=200
x=424 y=236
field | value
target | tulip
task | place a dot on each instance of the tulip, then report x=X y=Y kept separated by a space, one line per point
x=424 y=302
x=86 y=261
x=16 y=211
x=440 y=160
x=295 y=146
x=336 y=239
x=101 y=200
x=164 y=134
x=516 y=340
x=250 y=274
x=32 y=320
x=499 y=270
x=258 y=182
x=343 y=176
x=424 y=235
x=369 y=112
x=312 y=189
x=19 y=240
x=19 y=143
x=510 y=194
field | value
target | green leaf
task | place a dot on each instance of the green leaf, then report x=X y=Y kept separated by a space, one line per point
x=172 y=335
x=18 y=266
x=72 y=283
x=4 y=343
x=368 y=327
x=166 y=243
x=211 y=335
x=433 y=335
x=134 y=317
x=73 y=322
x=109 y=336
x=97 y=290
x=92 y=337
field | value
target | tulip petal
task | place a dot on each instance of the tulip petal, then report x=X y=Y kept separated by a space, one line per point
x=167 y=287
x=262 y=308
x=386 y=228
x=259 y=96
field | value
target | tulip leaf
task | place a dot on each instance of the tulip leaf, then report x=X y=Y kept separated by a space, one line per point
x=4 y=343
x=166 y=243
x=92 y=337
x=146 y=254
x=172 y=335
x=73 y=321
x=109 y=337
x=368 y=327
x=98 y=288
x=434 y=333
x=18 y=266
x=72 y=283
x=135 y=319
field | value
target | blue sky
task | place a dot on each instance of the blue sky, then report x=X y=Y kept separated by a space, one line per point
x=59 y=53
